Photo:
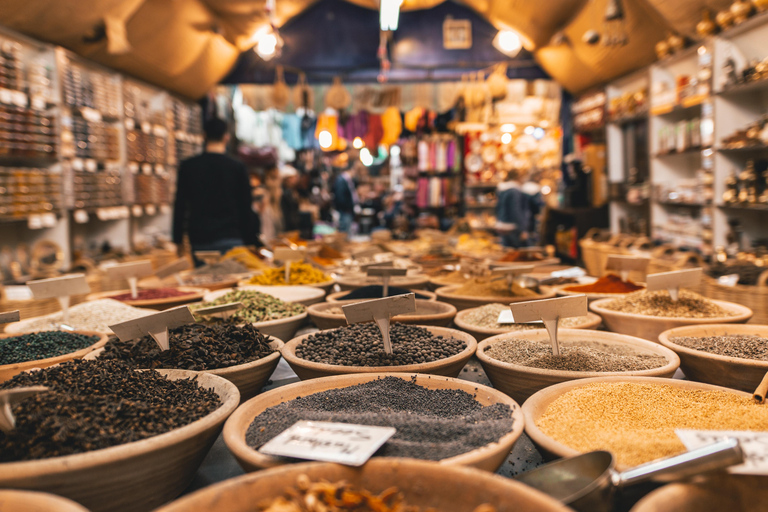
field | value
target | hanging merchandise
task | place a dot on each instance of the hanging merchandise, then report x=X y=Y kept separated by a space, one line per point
x=292 y=131
x=497 y=82
x=338 y=96
x=375 y=131
x=392 y=126
x=356 y=125
x=280 y=93
x=412 y=119
x=327 y=133
x=303 y=95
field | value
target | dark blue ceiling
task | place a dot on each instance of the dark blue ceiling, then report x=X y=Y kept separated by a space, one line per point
x=335 y=37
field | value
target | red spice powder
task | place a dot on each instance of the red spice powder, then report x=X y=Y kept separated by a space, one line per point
x=607 y=284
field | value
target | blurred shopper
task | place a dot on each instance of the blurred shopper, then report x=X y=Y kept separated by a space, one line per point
x=513 y=211
x=271 y=210
x=289 y=200
x=345 y=198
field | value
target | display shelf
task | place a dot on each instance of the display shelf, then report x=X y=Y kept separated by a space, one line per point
x=748 y=207
x=689 y=151
x=742 y=149
x=748 y=87
x=685 y=109
x=640 y=116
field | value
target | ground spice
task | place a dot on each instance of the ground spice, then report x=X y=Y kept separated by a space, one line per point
x=376 y=291
x=609 y=283
x=257 y=306
x=95 y=315
x=151 y=294
x=731 y=345
x=326 y=262
x=42 y=345
x=521 y=256
x=637 y=422
x=362 y=345
x=329 y=252
x=497 y=288
x=659 y=303
x=193 y=347
x=575 y=356
x=97 y=404
x=301 y=273
x=432 y=424
x=487 y=316
x=220 y=268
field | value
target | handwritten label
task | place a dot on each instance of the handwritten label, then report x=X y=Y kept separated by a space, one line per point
x=626 y=264
x=673 y=281
x=550 y=311
x=9 y=316
x=380 y=311
x=173 y=267
x=753 y=444
x=385 y=272
x=11 y=397
x=156 y=325
x=341 y=443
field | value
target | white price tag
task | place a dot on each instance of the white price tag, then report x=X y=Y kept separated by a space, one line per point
x=141 y=268
x=368 y=252
x=753 y=444
x=173 y=267
x=20 y=99
x=35 y=222
x=549 y=311
x=287 y=255
x=90 y=114
x=341 y=443
x=223 y=310
x=208 y=257
x=626 y=264
x=9 y=316
x=150 y=209
x=73 y=284
x=511 y=271
x=673 y=281
x=156 y=325
x=380 y=311
x=146 y=127
x=385 y=273
x=80 y=216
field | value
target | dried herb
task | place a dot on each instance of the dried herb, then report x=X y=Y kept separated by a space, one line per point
x=42 y=345
x=731 y=345
x=257 y=306
x=659 y=303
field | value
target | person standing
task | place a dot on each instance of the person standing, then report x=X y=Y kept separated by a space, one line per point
x=289 y=200
x=213 y=197
x=345 y=198
x=512 y=211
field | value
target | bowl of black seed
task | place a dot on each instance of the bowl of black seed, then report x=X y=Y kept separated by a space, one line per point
x=24 y=351
x=239 y=353
x=111 y=437
x=522 y=363
x=359 y=348
x=377 y=292
x=329 y=315
x=453 y=421
x=734 y=356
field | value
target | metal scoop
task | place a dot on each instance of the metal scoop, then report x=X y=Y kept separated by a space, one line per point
x=588 y=482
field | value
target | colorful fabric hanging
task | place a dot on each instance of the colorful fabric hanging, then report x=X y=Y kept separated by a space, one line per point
x=392 y=126
x=375 y=131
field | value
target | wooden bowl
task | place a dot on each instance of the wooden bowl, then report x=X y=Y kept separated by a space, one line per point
x=428 y=312
x=135 y=476
x=650 y=327
x=170 y=282
x=461 y=302
x=480 y=333
x=591 y=297
x=339 y=296
x=282 y=328
x=449 y=367
x=194 y=295
x=7 y=371
x=306 y=295
x=520 y=382
x=325 y=285
x=353 y=282
x=27 y=501
x=488 y=457
x=427 y=485
x=734 y=493
x=248 y=377
x=537 y=404
x=730 y=372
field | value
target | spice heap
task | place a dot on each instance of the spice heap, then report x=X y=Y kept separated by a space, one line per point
x=224 y=270
x=575 y=356
x=497 y=288
x=245 y=257
x=609 y=283
x=362 y=345
x=377 y=291
x=337 y=310
x=432 y=424
x=42 y=345
x=152 y=294
x=301 y=273
x=257 y=306
x=323 y=496
x=487 y=316
x=97 y=404
x=96 y=315
x=637 y=422
x=193 y=347
x=659 y=303
x=521 y=256
x=731 y=345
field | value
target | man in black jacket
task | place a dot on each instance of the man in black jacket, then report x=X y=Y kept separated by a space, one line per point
x=213 y=197
x=345 y=198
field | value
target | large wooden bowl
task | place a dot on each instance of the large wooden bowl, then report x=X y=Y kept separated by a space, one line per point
x=734 y=493
x=170 y=282
x=306 y=295
x=427 y=485
x=7 y=371
x=428 y=312
x=591 y=321
x=650 y=327
x=353 y=282
x=325 y=285
x=537 y=404
x=192 y=295
x=488 y=457
x=27 y=501
x=731 y=372
x=248 y=377
x=136 y=476
x=520 y=382
x=461 y=302
x=339 y=296
x=449 y=366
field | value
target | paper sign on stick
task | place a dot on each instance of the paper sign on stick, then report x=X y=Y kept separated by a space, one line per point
x=156 y=325
x=386 y=273
x=131 y=271
x=287 y=256
x=9 y=316
x=380 y=311
x=60 y=288
x=222 y=311
x=208 y=257
x=368 y=252
x=754 y=445
x=11 y=397
x=626 y=264
x=173 y=267
x=673 y=281
x=511 y=271
x=550 y=311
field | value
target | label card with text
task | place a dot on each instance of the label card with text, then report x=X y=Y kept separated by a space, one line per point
x=386 y=272
x=550 y=311
x=9 y=316
x=673 y=281
x=288 y=255
x=156 y=325
x=341 y=443
x=626 y=264
x=142 y=268
x=72 y=284
x=380 y=311
x=753 y=444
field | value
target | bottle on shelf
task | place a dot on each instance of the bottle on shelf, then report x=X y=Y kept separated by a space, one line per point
x=731 y=194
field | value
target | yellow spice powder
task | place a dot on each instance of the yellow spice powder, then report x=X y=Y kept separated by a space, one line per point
x=637 y=422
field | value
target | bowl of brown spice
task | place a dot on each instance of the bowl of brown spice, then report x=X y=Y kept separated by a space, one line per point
x=608 y=286
x=647 y=314
x=522 y=363
x=328 y=315
x=381 y=485
x=734 y=356
x=735 y=493
x=482 y=291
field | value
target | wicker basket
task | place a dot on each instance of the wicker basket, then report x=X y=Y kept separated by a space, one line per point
x=617 y=245
x=589 y=246
x=754 y=297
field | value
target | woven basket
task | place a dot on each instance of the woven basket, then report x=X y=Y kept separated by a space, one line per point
x=754 y=297
x=589 y=246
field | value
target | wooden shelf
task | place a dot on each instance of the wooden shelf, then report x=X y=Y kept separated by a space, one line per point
x=757 y=85
x=676 y=204
x=689 y=151
x=748 y=207
x=742 y=149
x=640 y=116
x=688 y=105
